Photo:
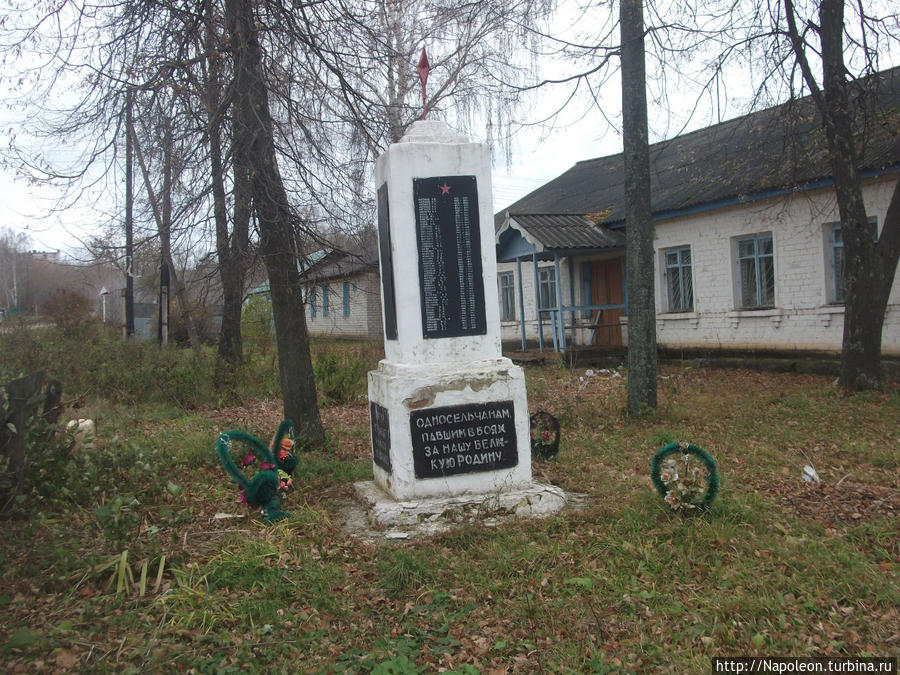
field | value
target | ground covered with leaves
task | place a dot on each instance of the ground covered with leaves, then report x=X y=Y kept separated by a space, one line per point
x=121 y=564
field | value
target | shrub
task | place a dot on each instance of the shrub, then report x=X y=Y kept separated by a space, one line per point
x=339 y=379
x=69 y=310
x=99 y=363
x=256 y=326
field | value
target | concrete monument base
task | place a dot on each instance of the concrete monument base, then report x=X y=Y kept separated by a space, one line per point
x=437 y=514
x=444 y=430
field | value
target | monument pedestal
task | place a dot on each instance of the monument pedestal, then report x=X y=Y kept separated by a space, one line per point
x=449 y=430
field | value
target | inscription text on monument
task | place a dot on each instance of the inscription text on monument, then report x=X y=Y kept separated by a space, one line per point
x=449 y=242
x=463 y=439
x=381 y=435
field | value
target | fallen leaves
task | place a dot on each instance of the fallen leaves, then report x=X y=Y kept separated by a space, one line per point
x=841 y=504
x=66 y=659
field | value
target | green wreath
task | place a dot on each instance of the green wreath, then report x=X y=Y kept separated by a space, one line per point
x=545 y=432
x=681 y=491
x=261 y=490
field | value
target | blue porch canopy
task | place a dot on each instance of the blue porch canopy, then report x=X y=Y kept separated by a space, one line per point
x=554 y=237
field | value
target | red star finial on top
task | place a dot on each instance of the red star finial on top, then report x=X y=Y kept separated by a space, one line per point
x=424 y=68
x=445 y=189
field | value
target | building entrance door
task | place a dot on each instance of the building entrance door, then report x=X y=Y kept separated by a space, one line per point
x=607 y=289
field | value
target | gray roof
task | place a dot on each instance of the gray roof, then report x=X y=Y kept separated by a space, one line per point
x=773 y=150
x=303 y=264
x=566 y=232
x=340 y=265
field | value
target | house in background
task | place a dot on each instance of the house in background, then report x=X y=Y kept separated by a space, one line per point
x=747 y=245
x=342 y=295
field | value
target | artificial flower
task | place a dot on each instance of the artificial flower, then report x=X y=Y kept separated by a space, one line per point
x=284 y=480
x=686 y=481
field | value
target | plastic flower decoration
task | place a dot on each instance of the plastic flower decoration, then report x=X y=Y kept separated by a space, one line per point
x=544 y=434
x=685 y=476
x=275 y=467
x=541 y=432
x=287 y=447
x=284 y=480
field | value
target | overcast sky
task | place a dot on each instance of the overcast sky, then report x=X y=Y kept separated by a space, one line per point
x=538 y=153
x=535 y=161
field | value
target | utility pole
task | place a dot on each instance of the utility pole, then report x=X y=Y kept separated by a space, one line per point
x=129 y=223
x=165 y=233
x=15 y=302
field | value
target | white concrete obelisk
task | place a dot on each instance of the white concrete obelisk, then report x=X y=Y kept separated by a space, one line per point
x=449 y=413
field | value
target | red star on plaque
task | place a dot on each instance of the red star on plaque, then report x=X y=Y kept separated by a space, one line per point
x=445 y=189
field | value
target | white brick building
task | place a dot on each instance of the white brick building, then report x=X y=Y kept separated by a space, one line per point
x=342 y=297
x=748 y=252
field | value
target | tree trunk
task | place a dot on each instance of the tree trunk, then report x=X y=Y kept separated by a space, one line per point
x=870 y=270
x=869 y=265
x=232 y=250
x=254 y=151
x=642 y=357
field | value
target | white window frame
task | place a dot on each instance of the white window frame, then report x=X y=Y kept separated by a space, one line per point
x=756 y=261
x=681 y=271
x=547 y=280
x=506 y=285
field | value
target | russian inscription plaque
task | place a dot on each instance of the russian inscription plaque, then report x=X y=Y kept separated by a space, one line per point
x=387 y=264
x=448 y=236
x=381 y=435
x=463 y=439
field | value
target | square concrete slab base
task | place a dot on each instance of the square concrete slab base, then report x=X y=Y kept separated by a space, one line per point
x=391 y=519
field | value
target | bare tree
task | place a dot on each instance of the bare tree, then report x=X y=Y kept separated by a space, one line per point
x=775 y=46
x=870 y=263
x=295 y=101
x=255 y=157
x=232 y=244
x=12 y=263
x=162 y=208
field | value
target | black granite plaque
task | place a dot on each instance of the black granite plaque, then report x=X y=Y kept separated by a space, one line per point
x=387 y=265
x=449 y=241
x=463 y=439
x=381 y=435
